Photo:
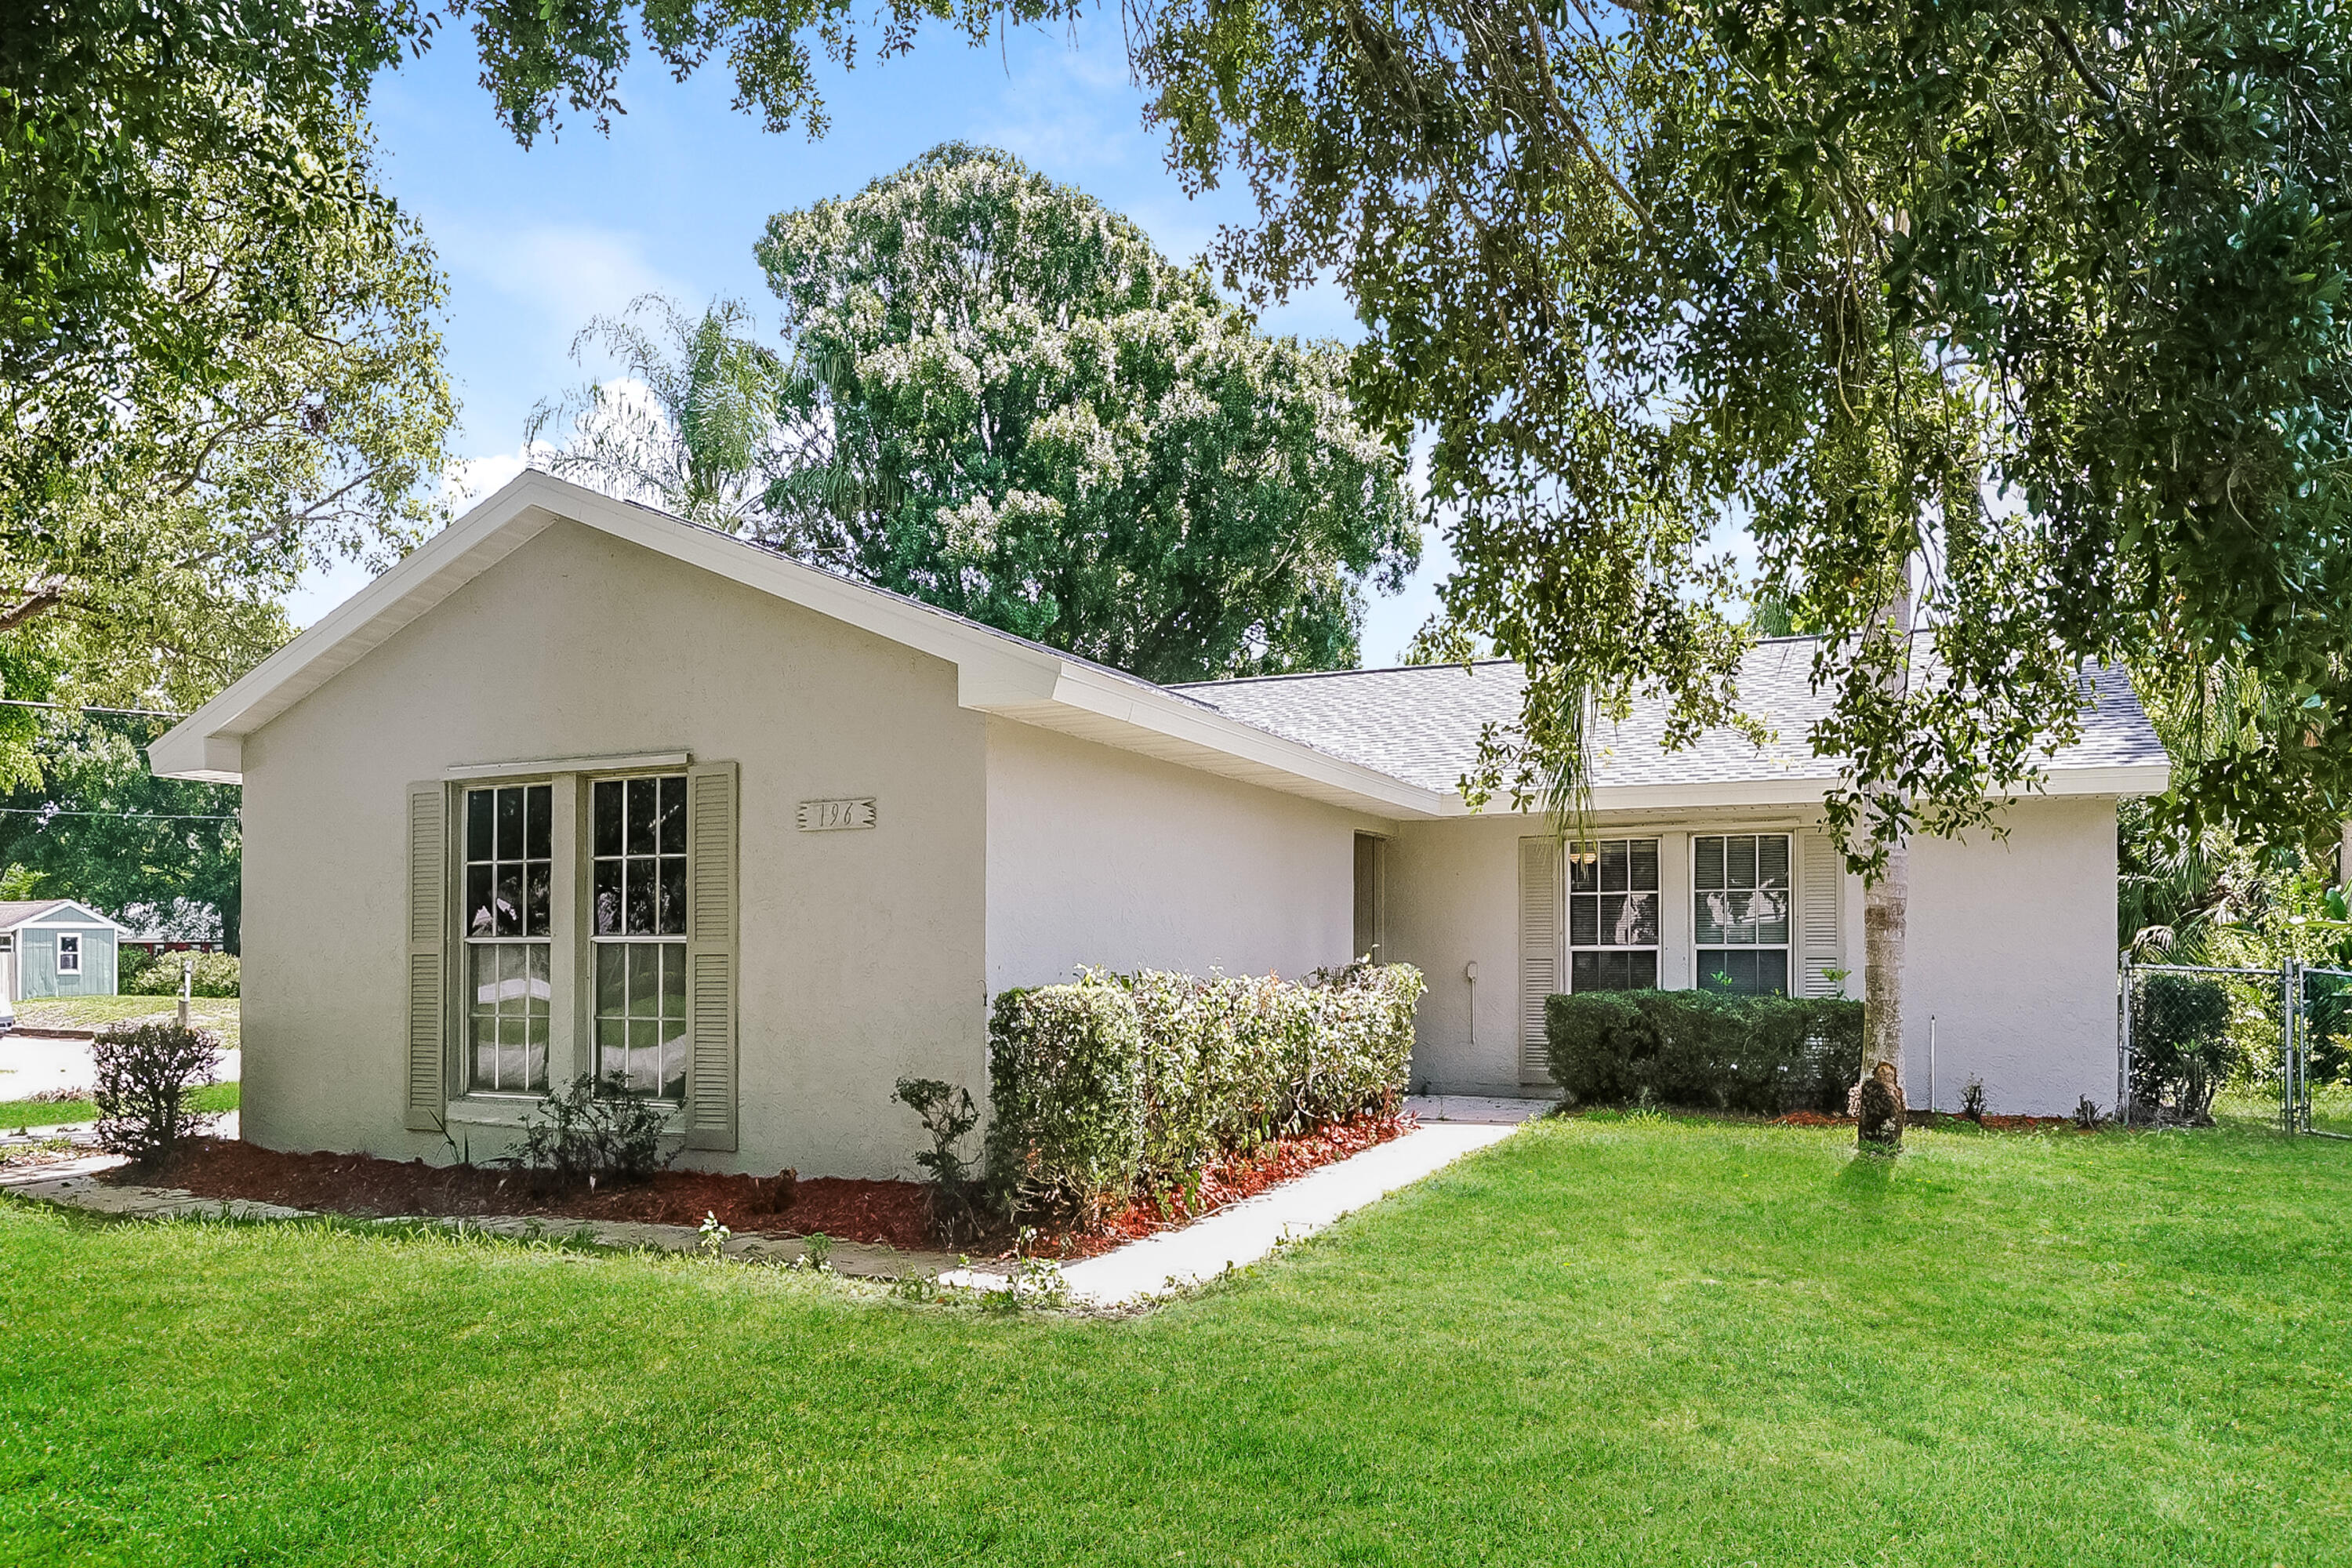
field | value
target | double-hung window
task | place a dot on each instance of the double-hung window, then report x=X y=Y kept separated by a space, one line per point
x=1613 y=915
x=69 y=954
x=1739 y=912
x=637 y=828
x=508 y=922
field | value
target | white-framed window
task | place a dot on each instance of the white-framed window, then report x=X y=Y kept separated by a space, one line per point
x=637 y=841
x=68 y=954
x=1739 y=912
x=508 y=922
x=1613 y=915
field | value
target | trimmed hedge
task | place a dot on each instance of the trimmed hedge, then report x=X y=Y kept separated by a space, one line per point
x=1121 y=1085
x=1764 y=1054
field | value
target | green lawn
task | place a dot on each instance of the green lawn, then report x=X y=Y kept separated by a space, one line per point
x=16 y=1113
x=1605 y=1342
x=219 y=1013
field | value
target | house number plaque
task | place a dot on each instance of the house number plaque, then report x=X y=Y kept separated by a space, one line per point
x=830 y=816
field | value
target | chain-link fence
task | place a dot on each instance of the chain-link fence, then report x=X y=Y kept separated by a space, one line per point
x=2186 y=1031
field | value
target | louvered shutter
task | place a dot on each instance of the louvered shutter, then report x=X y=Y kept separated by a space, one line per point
x=428 y=955
x=1539 y=959
x=711 y=955
x=1820 y=934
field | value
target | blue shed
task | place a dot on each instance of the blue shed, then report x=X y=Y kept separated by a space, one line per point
x=56 y=947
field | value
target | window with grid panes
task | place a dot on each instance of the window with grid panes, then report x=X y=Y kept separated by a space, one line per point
x=507 y=876
x=1613 y=915
x=1739 y=912
x=637 y=835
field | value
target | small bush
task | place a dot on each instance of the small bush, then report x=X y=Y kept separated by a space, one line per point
x=1762 y=1053
x=130 y=963
x=1125 y=1085
x=216 y=975
x=147 y=1072
x=2181 y=1052
x=591 y=1133
x=949 y=1116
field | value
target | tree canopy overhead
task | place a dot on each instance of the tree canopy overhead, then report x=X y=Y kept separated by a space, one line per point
x=1031 y=418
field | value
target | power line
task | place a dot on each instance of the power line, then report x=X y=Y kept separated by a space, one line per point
x=89 y=708
x=122 y=815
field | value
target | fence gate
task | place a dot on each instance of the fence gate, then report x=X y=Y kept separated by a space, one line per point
x=2194 y=1030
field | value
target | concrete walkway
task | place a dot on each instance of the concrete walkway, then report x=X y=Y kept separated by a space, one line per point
x=1173 y=1260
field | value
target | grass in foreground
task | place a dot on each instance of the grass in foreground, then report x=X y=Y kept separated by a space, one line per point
x=1603 y=1342
x=33 y=1114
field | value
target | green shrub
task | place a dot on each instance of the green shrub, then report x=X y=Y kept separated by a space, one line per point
x=2182 y=1050
x=146 y=1075
x=592 y=1132
x=1121 y=1085
x=1763 y=1054
x=216 y=975
x=1065 y=1074
x=130 y=963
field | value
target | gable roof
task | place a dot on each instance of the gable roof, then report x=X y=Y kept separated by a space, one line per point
x=1389 y=742
x=18 y=912
x=996 y=672
x=1422 y=723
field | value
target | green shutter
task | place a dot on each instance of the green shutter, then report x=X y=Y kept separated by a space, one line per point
x=428 y=947
x=1820 y=934
x=1539 y=951
x=710 y=955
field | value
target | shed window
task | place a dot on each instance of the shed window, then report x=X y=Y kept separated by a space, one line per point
x=509 y=872
x=638 y=833
x=69 y=954
x=1613 y=915
x=1739 y=912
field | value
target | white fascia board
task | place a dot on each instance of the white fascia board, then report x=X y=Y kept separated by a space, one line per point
x=2121 y=779
x=49 y=918
x=206 y=745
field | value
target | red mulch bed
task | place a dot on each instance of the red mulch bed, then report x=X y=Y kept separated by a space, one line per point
x=1930 y=1117
x=1229 y=1181
x=893 y=1213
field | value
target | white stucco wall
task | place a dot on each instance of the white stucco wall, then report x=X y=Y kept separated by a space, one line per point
x=1102 y=858
x=862 y=952
x=2012 y=947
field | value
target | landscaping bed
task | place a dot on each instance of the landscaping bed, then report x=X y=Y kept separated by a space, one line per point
x=1227 y=1181
x=889 y=1214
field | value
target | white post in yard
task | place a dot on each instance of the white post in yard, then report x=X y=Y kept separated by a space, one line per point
x=187 y=985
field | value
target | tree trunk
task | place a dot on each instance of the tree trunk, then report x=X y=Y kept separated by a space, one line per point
x=1885 y=907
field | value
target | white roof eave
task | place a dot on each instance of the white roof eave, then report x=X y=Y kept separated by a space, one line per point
x=996 y=673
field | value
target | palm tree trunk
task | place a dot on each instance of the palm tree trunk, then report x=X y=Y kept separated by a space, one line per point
x=1885 y=908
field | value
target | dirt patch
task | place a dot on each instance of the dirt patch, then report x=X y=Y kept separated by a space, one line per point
x=1228 y=1182
x=890 y=1214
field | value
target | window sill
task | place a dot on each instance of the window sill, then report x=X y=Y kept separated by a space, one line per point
x=492 y=1109
x=516 y=1110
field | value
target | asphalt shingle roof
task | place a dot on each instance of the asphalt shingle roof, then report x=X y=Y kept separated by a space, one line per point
x=1421 y=723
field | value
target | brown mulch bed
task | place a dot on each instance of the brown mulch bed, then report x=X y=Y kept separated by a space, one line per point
x=891 y=1213
x=1229 y=1181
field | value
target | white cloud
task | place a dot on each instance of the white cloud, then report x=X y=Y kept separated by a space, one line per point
x=563 y=273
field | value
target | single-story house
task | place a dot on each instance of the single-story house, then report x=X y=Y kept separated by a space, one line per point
x=56 y=947
x=580 y=787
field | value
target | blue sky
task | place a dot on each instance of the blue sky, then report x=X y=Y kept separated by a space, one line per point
x=536 y=242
